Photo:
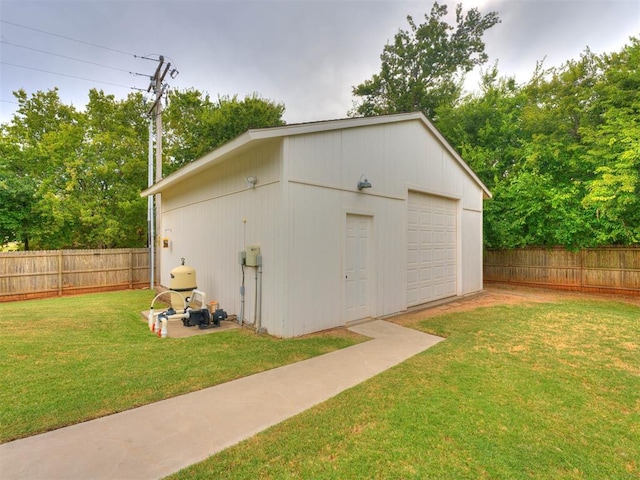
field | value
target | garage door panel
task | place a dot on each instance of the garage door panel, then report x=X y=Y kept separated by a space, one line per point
x=426 y=238
x=431 y=248
x=425 y=274
x=425 y=256
x=425 y=292
x=412 y=276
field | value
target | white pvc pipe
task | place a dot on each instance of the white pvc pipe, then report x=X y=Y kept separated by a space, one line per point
x=184 y=301
x=163 y=332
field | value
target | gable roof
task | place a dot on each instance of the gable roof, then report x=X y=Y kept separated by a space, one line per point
x=256 y=136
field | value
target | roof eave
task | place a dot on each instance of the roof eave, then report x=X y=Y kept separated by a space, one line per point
x=203 y=162
x=486 y=194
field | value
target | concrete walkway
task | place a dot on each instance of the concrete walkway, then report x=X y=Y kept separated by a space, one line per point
x=161 y=438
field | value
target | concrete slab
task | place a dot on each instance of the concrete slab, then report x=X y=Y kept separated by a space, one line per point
x=158 y=439
x=176 y=329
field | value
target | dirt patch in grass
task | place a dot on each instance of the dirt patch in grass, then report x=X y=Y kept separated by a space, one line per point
x=496 y=294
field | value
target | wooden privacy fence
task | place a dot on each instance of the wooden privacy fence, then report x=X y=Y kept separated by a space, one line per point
x=25 y=275
x=603 y=270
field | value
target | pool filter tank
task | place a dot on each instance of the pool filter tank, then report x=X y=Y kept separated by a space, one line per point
x=183 y=280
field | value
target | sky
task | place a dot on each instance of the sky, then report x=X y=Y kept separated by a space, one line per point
x=307 y=54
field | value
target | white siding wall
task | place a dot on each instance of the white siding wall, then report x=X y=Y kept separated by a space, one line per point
x=393 y=157
x=471 y=237
x=323 y=169
x=471 y=251
x=316 y=249
x=203 y=220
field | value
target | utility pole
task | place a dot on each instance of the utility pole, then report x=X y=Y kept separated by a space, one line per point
x=150 y=217
x=156 y=84
x=156 y=110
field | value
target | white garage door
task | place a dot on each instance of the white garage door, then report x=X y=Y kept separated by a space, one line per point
x=431 y=248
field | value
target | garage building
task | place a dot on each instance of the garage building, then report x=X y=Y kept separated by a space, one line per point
x=354 y=218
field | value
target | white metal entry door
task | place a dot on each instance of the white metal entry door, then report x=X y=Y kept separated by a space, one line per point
x=431 y=248
x=358 y=263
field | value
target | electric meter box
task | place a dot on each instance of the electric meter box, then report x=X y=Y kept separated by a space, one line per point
x=253 y=252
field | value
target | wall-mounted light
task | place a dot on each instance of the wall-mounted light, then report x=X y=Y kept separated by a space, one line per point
x=251 y=181
x=166 y=240
x=363 y=183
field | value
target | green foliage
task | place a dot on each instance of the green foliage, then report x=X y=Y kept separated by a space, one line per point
x=40 y=127
x=614 y=149
x=486 y=128
x=196 y=125
x=71 y=179
x=424 y=66
x=560 y=153
x=17 y=205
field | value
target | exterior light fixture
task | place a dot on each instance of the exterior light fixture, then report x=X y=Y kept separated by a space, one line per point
x=363 y=183
x=251 y=181
x=166 y=239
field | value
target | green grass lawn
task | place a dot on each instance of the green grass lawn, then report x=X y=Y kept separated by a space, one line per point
x=538 y=391
x=66 y=360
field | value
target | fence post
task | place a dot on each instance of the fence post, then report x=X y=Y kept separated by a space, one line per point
x=60 y=263
x=130 y=269
x=582 y=269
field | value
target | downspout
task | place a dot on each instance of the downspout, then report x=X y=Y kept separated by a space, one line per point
x=256 y=321
x=259 y=295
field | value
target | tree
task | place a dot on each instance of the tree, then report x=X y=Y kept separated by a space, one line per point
x=561 y=153
x=31 y=212
x=424 y=67
x=196 y=125
x=107 y=180
x=72 y=179
x=613 y=148
x=17 y=201
x=485 y=128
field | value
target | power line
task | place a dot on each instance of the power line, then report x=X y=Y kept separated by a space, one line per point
x=70 y=76
x=71 y=58
x=76 y=40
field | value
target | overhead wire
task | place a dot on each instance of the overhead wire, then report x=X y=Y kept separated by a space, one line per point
x=65 y=37
x=68 y=75
x=71 y=58
x=75 y=40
